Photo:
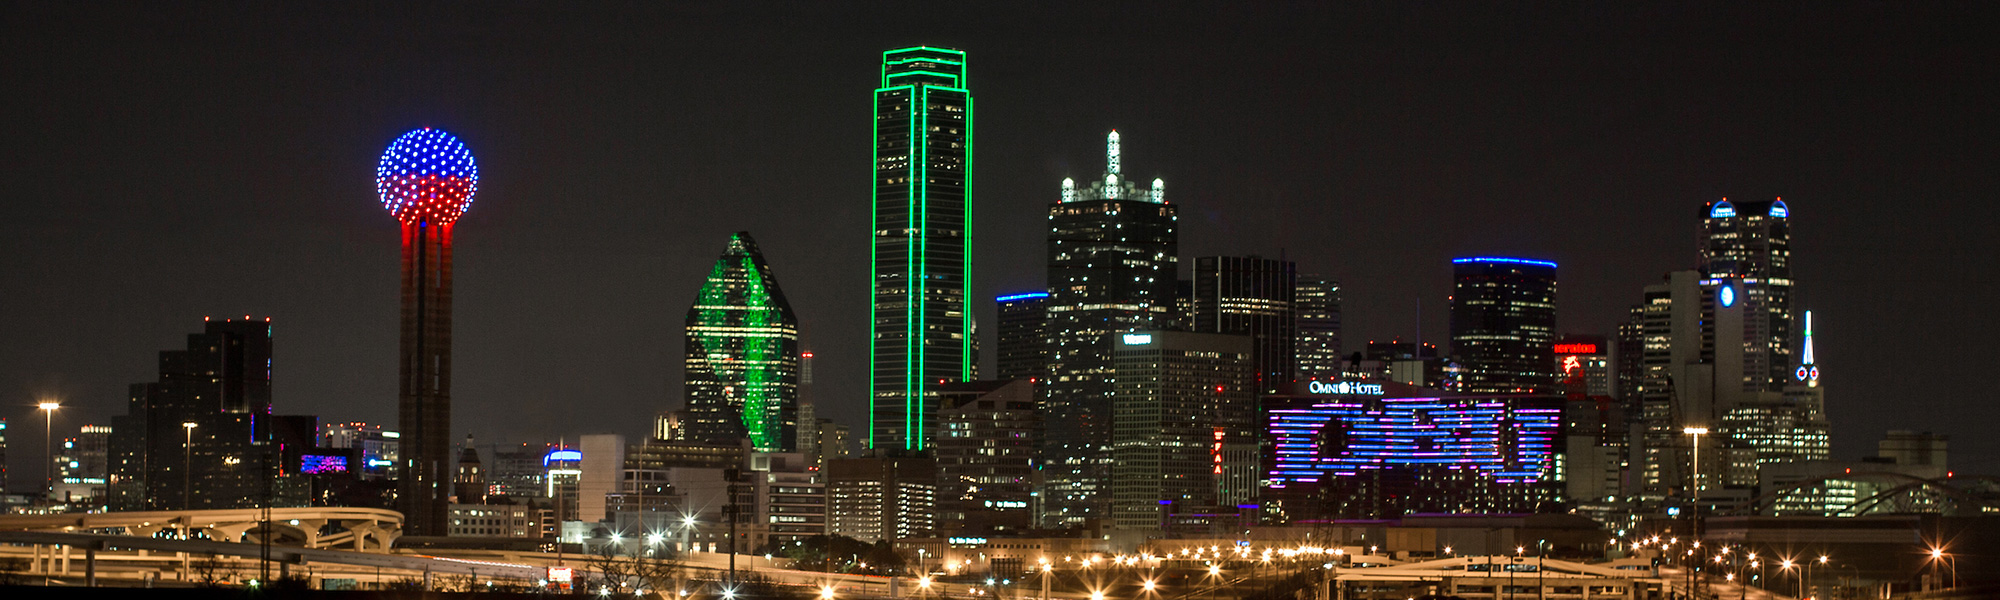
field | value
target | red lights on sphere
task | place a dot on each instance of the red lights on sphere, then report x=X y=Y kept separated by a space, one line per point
x=427 y=176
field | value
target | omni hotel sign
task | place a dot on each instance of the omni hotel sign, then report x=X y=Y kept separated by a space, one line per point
x=1345 y=388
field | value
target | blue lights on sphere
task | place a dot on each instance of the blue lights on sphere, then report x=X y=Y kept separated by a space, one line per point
x=427 y=176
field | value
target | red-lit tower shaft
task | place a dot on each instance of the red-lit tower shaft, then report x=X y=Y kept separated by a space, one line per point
x=424 y=403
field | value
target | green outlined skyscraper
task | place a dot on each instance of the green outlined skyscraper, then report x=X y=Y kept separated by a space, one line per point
x=743 y=354
x=920 y=328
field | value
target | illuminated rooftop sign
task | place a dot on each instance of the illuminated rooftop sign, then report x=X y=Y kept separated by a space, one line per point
x=1138 y=339
x=1345 y=388
x=555 y=455
x=1722 y=210
x=1580 y=348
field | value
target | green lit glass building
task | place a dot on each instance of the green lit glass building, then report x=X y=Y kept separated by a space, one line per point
x=920 y=328
x=743 y=355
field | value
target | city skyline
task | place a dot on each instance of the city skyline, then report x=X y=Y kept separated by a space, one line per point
x=1615 y=215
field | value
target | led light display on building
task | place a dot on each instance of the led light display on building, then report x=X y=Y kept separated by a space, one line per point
x=322 y=464
x=1498 y=438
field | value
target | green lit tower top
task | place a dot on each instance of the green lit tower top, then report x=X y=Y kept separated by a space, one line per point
x=743 y=355
x=919 y=329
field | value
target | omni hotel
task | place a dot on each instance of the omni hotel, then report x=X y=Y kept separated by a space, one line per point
x=1359 y=450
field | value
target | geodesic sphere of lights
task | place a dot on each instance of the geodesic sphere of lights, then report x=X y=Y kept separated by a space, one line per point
x=427 y=176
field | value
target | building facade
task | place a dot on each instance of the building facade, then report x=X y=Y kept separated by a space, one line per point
x=83 y=466
x=921 y=328
x=882 y=498
x=1317 y=302
x=1503 y=320
x=1023 y=335
x=1749 y=242
x=1361 y=450
x=1113 y=264
x=987 y=473
x=198 y=438
x=1253 y=296
x=742 y=358
x=1183 y=440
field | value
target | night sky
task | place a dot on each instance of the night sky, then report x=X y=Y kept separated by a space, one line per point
x=166 y=165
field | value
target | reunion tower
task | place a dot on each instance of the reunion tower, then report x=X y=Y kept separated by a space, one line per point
x=427 y=179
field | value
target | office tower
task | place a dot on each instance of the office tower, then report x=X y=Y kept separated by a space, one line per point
x=83 y=464
x=1583 y=365
x=427 y=179
x=921 y=262
x=1503 y=320
x=1750 y=242
x=1183 y=442
x=516 y=472
x=1253 y=296
x=881 y=498
x=1370 y=451
x=1784 y=427
x=562 y=476
x=1113 y=256
x=742 y=355
x=1317 y=302
x=380 y=451
x=198 y=437
x=1023 y=335
x=989 y=432
x=1672 y=388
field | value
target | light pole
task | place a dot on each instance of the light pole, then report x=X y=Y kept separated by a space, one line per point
x=1695 y=495
x=187 y=467
x=48 y=408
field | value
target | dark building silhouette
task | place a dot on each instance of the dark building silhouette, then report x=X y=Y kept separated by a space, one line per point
x=1023 y=333
x=1113 y=259
x=1503 y=320
x=200 y=436
x=989 y=431
x=742 y=355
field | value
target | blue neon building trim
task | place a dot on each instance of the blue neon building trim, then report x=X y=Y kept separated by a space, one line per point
x=1498 y=259
x=1778 y=210
x=1722 y=210
x=1021 y=296
x=555 y=455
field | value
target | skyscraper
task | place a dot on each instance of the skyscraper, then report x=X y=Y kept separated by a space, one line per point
x=920 y=330
x=1253 y=296
x=198 y=437
x=1113 y=259
x=427 y=179
x=1503 y=320
x=1751 y=242
x=1317 y=302
x=742 y=355
x=1023 y=333
x=1184 y=438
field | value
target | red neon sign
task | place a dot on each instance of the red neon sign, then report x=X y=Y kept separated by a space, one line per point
x=1584 y=348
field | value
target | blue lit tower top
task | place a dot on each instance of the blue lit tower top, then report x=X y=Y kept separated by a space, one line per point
x=1503 y=317
x=1750 y=241
x=427 y=175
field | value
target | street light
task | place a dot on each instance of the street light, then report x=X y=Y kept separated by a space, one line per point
x=48 y=408
x=187 y=467
x=1695 y=495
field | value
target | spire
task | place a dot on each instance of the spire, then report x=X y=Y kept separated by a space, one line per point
x=1111 y=154
x=1069 y=190
x=1159 y=191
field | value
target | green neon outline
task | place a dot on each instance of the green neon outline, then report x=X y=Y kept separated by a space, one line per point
x=965 y=281
x=914 y=404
